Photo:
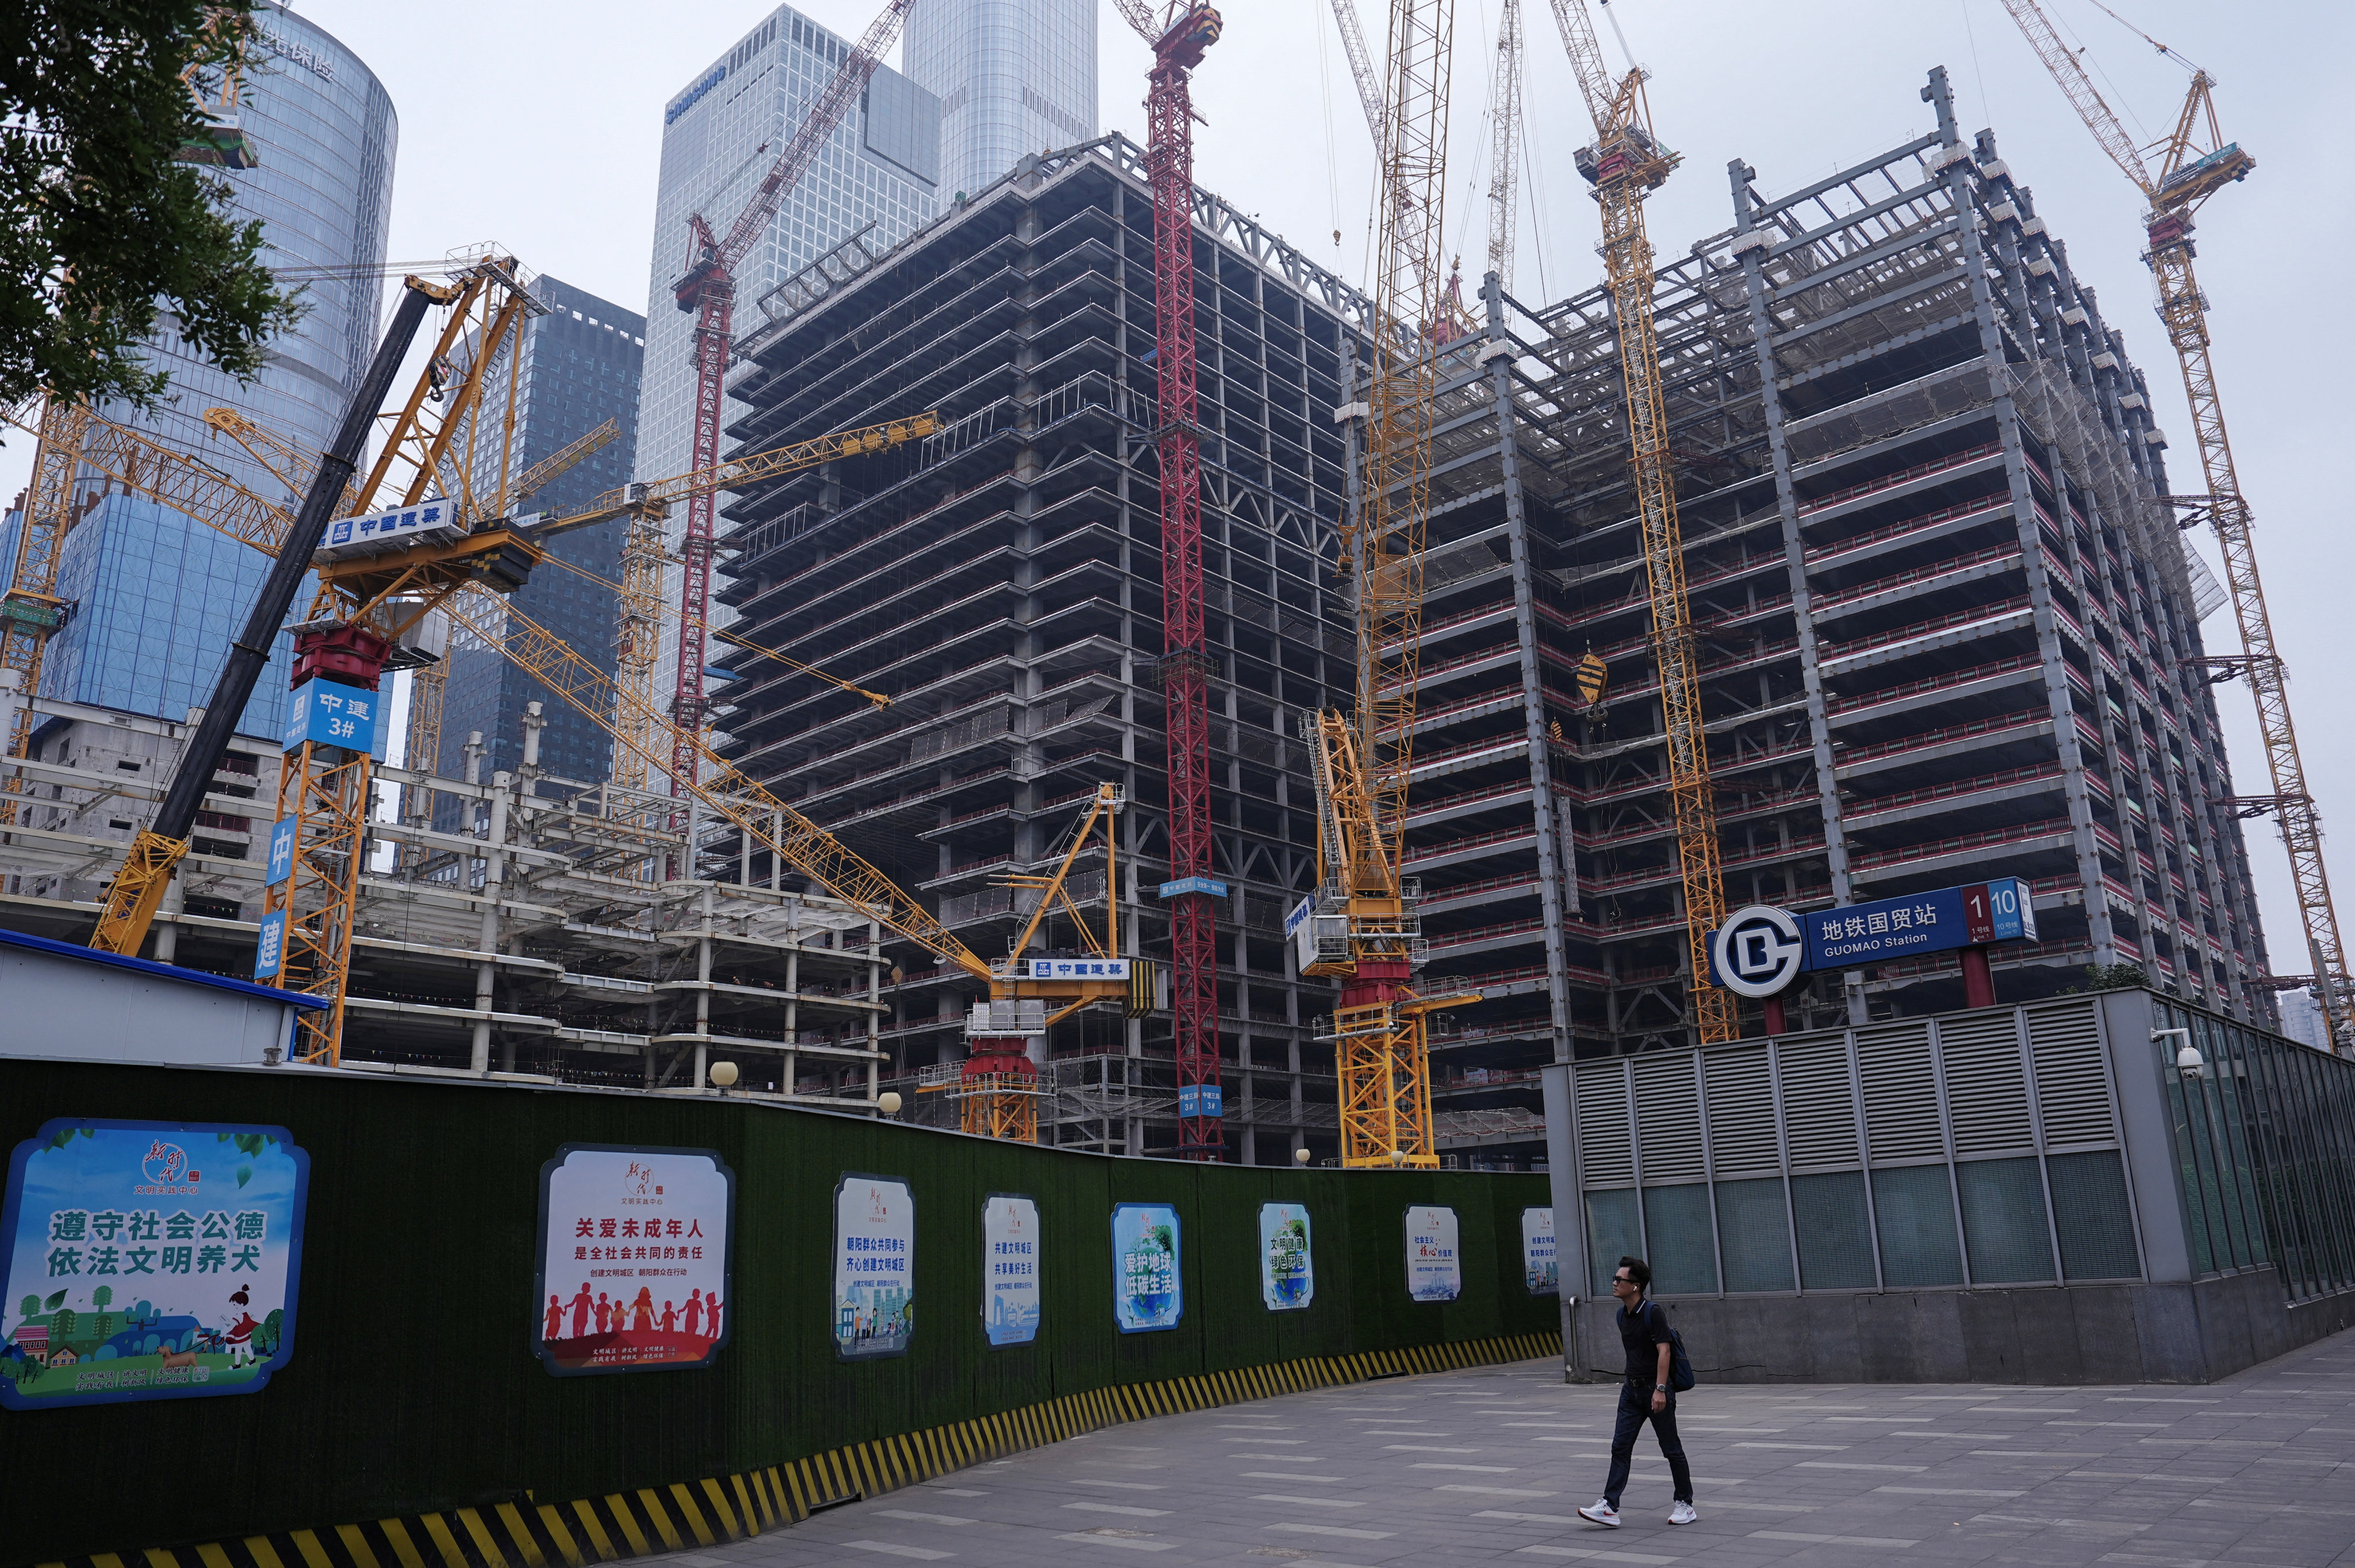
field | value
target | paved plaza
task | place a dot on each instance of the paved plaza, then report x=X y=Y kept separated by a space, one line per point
x=1487 y=1466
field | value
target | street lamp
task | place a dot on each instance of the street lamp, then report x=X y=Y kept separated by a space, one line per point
x=724 y=1075
x=888 y=1102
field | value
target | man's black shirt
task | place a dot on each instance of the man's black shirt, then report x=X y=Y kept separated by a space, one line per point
x=1643 y=1333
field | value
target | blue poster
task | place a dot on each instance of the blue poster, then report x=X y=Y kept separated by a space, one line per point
x=1540 y=1259
x=149 y=1260
x=1287 y=1270
x=1010 y=1285
x=1147 y=1292
x=874 y=1267
x=1433 y=1270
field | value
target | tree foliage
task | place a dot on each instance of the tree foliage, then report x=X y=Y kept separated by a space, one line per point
x=108 y=235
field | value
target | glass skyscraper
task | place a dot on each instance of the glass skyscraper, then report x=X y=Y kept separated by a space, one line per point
x=1014 y=76
x=878 y=175
x=579 y=366
x=156 y=597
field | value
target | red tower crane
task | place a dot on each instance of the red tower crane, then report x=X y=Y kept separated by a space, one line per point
x=1179 y=33
x=708 y=291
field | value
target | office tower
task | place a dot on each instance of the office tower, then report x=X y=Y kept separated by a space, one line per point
x=157 y=597
x=1002 y=581
x=576 y=368
x=1013 y=77
x=872 y=184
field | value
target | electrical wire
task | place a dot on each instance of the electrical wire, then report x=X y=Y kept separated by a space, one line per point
x=1332 y=142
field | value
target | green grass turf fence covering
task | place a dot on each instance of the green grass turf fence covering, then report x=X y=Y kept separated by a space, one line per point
x=413 y=1386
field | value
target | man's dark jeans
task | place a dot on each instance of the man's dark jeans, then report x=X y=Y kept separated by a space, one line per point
x=1634 y=1409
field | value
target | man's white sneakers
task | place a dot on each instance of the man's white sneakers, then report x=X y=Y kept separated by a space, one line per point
x=1681 y=1514
x=1601 y=1513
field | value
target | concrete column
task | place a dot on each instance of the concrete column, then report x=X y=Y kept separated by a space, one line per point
x=793 y=994
x=487 y=938
x=874 y=1018
x=703 y=996
x=1557 y=877
x=176 y=897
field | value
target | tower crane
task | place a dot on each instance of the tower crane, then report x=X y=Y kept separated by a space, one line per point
x=707 y=290
x=2188 y=166
x=1363 y=928
x=364 y=605
x=1027 y=995
x=1625 y=164
x=1504 y=141
x=1179 y=34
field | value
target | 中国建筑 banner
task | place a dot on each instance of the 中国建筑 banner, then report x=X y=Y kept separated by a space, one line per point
x=1435 y=1271
x=1288 y=1276
x=633 y=1259
x=1010 y=1285
x=1148 y=1290
x=149 y=1260
x=1541 y=1262
x=874 y=1267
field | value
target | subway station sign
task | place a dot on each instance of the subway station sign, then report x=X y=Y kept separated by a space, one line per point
x=1761 y=950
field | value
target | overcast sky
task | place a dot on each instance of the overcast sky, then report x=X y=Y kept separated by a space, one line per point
x=540 y=126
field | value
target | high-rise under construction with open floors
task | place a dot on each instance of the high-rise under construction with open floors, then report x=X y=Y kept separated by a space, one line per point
x=1002 y=581
x=1948 y=631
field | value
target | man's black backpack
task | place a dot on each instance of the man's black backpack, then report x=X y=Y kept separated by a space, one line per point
x=1680 y=1370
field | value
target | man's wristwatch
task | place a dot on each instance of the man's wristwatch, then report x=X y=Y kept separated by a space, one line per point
x=1659 y=1388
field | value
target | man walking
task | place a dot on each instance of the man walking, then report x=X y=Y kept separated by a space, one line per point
x=1645 y=1394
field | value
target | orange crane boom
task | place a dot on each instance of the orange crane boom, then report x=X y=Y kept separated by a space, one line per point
x=2182 y=174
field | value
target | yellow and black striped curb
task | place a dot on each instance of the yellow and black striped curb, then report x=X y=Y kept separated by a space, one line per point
x=710 y=1511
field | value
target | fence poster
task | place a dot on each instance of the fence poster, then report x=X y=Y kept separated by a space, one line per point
x=1148 y=1293
x=1010 y=1285
x=874 y=1267
x=1541 y=1265
x=1435 y=1271
x=1287 y=1274
x=149 y=1260
x=634 y=1260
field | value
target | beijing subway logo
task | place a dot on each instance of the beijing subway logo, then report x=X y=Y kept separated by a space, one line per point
x=1758 y=951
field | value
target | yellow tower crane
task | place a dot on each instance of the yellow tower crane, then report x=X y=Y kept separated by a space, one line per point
x=1363 y=928
x=2188 y=166
x=1625 y=164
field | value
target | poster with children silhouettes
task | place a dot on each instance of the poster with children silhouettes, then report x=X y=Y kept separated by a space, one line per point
x=149 y=1260
x=874 y=1267
x=635 y=1259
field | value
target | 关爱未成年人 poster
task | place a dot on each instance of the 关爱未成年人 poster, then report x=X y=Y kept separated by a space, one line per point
x=633 y=1259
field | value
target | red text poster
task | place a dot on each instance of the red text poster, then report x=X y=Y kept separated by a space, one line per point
x=633 y=1259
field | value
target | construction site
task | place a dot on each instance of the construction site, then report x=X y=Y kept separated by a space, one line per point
x=1136 y=691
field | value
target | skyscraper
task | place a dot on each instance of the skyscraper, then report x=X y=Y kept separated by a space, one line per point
x=1013 y=77
x=577 y=367
x=877 y=177
x=156 y=595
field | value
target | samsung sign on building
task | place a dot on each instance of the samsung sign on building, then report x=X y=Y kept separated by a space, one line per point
x=1761 y=950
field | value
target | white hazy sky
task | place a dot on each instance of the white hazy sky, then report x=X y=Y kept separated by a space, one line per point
x=540 y=126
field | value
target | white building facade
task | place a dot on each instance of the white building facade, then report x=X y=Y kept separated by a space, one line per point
x=880 y=174
x=1013 y=77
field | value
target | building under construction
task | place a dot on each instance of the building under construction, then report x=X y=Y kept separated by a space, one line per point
x=1948 y=631
x=1003 y=582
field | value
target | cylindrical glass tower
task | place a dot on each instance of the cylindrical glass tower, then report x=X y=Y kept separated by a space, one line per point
x=156 y=597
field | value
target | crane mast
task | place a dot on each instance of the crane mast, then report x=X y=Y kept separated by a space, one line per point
x=707 y=290
x=1625 y=164
x=1179 y=36
x=1504 y=141
x=2176 y=182
x=1364 y=930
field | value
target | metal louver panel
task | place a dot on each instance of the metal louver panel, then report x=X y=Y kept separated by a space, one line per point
x=1741 y=1113
x=1818 y=1106
x=1901 y=1094
x=1986 y=1083
x=1667 y=1117
x=2072 y=1080
x=1605 y=1153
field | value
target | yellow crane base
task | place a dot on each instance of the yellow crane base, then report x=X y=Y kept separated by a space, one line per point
x=136 y=892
